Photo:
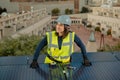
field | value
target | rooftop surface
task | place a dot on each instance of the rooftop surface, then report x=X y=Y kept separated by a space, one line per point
x=105 y=66
x=84 y=35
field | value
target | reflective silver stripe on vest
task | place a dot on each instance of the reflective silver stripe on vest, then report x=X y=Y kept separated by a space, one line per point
x=64 y=57
x=55 y=57
x=61 y=57
x=70 y=50
x=50 y=41
x=66 y=44
x=53 y=45
x=69 y=43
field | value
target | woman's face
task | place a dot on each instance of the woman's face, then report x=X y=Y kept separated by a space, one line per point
x=59 y=28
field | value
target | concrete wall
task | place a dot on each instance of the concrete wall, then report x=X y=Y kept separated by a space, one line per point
x=106 y=22
x=82 y=16
x=34 y=29
x=61 y=5
x=14 y=6
x=51 y=6
x=108 y=17
x=11 y=7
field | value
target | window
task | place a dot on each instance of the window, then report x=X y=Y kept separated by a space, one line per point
x=114 y=32
x=119 y=28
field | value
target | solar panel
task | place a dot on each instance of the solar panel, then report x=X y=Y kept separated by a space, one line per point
x=117 y=55
x=98 y=71
x=23 y=72
x=105 y=66
x=19 y=60
x=94 y=57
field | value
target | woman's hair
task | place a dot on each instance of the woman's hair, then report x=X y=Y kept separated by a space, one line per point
x=66 y=30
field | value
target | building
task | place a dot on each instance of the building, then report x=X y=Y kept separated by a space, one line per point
x=108 y=18
x=76 y=6
x=27 y=23
x=24 y=5
x=101 y=2
x=108 y=15
x=35 y=0
x=36 y=22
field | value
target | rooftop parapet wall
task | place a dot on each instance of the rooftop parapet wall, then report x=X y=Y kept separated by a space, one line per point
x=21 y=21
x=113 y=12
x=107 y=23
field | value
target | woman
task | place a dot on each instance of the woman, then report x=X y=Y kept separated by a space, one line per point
x=60 y=44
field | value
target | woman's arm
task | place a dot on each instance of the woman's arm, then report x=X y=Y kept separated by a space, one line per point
x=40 y=46
x=79 y=43
x=86 y=62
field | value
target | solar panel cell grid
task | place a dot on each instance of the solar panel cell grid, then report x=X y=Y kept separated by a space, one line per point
x=105 y=66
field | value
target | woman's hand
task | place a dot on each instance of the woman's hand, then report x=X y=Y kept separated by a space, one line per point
x=86 y=62
x=34 y=64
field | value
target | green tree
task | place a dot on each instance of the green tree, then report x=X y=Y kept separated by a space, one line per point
x=71 y=11
x=109 y=32
x=24 y=45
x=112 y=48
x=0 y=10
x=89 y=26
x=55 y=12
x=68 y=11
x=97 y=29
x=84 y=10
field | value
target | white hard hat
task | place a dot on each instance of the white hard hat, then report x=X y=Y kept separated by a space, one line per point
x=64 y=19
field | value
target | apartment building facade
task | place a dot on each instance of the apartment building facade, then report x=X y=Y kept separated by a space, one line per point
x=108 y=18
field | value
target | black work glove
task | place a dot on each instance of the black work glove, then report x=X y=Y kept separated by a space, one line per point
x=86 y=62
x=34 y=64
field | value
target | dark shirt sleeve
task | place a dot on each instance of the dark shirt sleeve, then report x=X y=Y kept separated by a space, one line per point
x=40 y=46
x=79 y=43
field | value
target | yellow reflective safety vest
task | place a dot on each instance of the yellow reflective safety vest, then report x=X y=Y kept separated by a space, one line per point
x=53 y=50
